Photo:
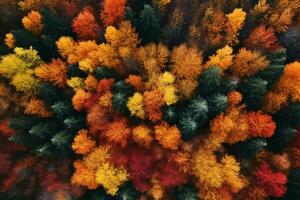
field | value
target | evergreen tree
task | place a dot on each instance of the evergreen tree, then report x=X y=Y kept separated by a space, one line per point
x=49 y=93
x=62 y=109
x=273 y=72
x=216 y=104
x=127 y=192
x=170 y=114
x=249 y=148
x=55 y=25
x=282 y=137
x=74 y=71
x=289 y=115
x=253 y=90
x=148 y=25
x=187 y=192
x=121 y=92
x=210 y=81
x=293 y=185
x=105 y=72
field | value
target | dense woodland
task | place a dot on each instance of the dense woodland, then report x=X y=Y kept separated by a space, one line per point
x=150 y=99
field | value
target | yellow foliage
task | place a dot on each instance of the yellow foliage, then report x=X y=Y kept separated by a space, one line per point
x=166 y=85
x=66 y=46
x=82 y=143
x=207 y=170
x=135 y=105
x=235 y=23
x=231 y=173
x=76 y=83
x=223 y=58
x=111 y=178
x=55 y=72
x=123 y=38
x=83 y=175
x=12 y=64
x=247 y=63
x=32 y=22
x=86 y=65
x=25 y=82
x=37 y=107
x=142 y=135
x=97 y=157
x=9 y=40
x=168 y=136
x=105 y=55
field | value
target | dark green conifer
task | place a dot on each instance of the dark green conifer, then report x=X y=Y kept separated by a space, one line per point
x=253 y=91
x=217 y=103
x=289 y=115
x=105 y=72
x=170 y=114
x=281 y=138
x=74 y=71
x=210 y=81
x=121 y=92
x=127 y=192
x=249 y=148
x=148 y=25
x=293 y=185
x=187 y=192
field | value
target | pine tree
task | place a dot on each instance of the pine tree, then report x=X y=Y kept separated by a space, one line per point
x=282 y=137
x=253 y=90
x=216 y=104
x=187 y=192
x=249 y=148
x=74 y=71
x=44 y=130
x=23 y=122
x=62 y=109
x=293 y=185
x=105 y=72
x=121 y=92
x=55 y=25
x=289 y=115
x=148 y=25
x=170 y=114
x=274 y=71
x=49 y=93
x=62 y=140
x=127 y=192
x=209 y=81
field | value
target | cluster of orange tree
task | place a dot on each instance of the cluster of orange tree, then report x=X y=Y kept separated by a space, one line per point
x=150 y=99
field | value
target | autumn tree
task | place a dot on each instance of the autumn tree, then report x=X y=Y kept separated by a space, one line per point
x=86 y=26
x=113 y=11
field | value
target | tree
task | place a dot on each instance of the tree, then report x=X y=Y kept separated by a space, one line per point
x=135 y=105
x=113 y=12
x=168 y=136
x=111 y=178
x=33 y=22
x=37 y=107
x=148 y=25
x=260 y=125
x=247 y=63
x=274 y=183
x=223 y=58
x=234 y=24
x=82 y=143
x=55 y=72
x=262 y=38
x=186 y=66
x=86 y=26
x=253 y=91
x=142 y=135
